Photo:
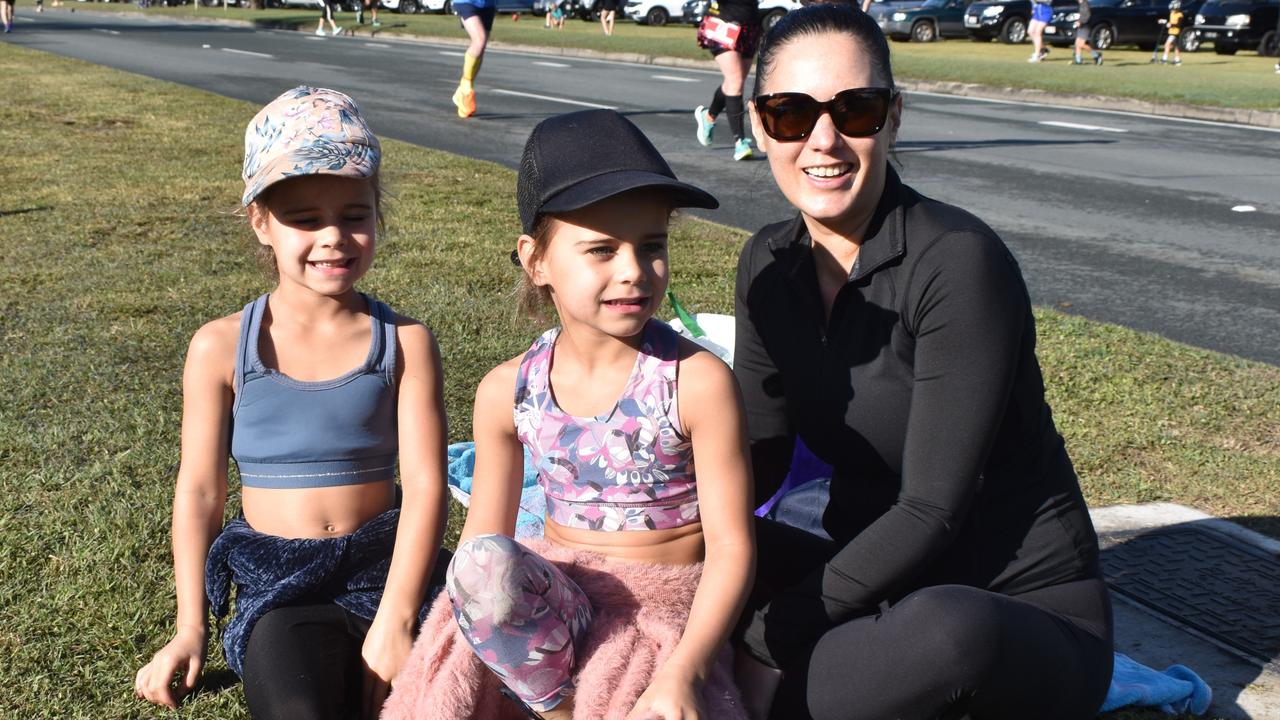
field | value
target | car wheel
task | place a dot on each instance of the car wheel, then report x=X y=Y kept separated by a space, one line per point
x=1268 y=46
x=1014 y=31
x=1190 y=41
x=1102 y=37
x=657 y=17
x=409 y=6
x=924 y=32
x=447 y=8
x=1222 y=48
x=771 y=18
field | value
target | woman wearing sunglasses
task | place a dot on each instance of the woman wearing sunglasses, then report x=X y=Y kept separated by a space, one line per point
x=893 y=334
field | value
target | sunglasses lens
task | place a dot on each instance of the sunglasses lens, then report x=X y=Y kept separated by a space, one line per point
x=859 y=113
x=789 y=117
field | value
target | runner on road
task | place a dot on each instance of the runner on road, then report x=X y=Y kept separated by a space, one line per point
x=731 y=31
x=477 y=20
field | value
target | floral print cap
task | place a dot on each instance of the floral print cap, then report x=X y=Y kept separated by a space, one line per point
x=307 y=131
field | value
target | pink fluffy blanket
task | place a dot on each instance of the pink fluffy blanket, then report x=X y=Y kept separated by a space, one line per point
x=640 y=612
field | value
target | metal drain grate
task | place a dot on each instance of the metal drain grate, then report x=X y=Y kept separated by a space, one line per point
x=1222 y=588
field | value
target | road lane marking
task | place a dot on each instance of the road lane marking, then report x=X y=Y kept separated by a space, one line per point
x=451 y=53
x=1244 y=208
x=104 y=30
x=377 y=45
x=248 y=52
x=674 y=78
x=544 y=63
x=1081 y=126
x=548 y=98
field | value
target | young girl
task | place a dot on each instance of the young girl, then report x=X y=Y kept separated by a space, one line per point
x=645 y=565
x=315 y=389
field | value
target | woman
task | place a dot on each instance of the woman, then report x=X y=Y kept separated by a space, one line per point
x=894 y=334
x=731 y=32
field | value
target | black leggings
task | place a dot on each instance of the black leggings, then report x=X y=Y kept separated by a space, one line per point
x=304 y=662
x=947 y=651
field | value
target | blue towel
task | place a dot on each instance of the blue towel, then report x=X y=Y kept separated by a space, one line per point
x=533 y=505
x=1176 y=690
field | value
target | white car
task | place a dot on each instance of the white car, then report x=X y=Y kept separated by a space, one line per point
x=771 y=11
x=654 y=12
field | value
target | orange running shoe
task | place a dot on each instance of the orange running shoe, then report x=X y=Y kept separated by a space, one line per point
x=466 y=102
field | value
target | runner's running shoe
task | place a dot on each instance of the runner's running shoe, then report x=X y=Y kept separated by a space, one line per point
x=466 y=102
x=705 y=125
x=742 y=149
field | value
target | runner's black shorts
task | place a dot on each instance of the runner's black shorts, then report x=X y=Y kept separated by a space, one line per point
x=608 y=5
x=486 y=14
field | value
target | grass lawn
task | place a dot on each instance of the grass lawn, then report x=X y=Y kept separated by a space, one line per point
x=119 y=241
x=1242 y=81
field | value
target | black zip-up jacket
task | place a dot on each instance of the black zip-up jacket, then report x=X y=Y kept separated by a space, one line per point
x=924 y=394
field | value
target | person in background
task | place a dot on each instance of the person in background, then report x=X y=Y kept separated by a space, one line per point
x=372 y=7
x=1173 y=26
x=477 y=19
x=327 y=10
x=731 y=32
x=608 y=13
x=6 y=14
x=1041 y=14
x=894 y=335
x=1082 y=36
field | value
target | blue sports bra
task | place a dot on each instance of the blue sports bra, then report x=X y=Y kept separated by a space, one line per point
x=287 y=433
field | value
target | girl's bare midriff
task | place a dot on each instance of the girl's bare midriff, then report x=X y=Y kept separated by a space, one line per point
x=316 y=513
x=683 y=545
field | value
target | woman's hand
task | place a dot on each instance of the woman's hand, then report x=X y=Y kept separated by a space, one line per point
x=184 y=654
x=386 y=646
x=673 y=694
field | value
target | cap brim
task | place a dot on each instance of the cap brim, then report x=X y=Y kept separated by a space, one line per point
x=333 y=160
x=602 y=187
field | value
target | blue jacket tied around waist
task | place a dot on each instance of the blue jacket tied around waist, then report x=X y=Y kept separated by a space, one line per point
x=270 y=572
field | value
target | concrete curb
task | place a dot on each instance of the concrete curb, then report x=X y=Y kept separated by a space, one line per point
x=1238 y=116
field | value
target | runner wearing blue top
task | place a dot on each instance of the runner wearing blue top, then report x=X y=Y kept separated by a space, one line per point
x=477 y=19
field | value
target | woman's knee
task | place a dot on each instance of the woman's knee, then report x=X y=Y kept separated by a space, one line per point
x=488 y=575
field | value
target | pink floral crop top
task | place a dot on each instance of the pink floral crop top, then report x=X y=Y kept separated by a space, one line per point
x=630 y=469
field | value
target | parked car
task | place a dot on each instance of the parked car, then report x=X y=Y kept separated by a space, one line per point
x=653 y=12
x=445 y=7
x=1233 y=25
x=1002 y=19
x=1117 y=22
x=693 y=10
x=926 y=22
x=771 y=11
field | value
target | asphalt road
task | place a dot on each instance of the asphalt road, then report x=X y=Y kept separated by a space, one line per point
x=1123 y=218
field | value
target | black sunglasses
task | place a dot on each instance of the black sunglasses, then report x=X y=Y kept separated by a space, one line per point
x=858 y=112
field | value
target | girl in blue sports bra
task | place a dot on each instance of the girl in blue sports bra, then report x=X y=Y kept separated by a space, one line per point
x=318 y=392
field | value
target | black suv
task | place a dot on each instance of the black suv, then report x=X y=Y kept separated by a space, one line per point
x=1005 y=20
x=1233 y=25
x=1117 y=22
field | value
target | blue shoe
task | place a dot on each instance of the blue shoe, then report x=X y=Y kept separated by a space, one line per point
x=742 y=149
x=705 y=125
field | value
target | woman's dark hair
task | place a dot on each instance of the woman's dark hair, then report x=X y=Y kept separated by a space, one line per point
x=819 y=18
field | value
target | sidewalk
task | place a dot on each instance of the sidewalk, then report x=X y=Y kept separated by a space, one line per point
x=1191 y=589
x=1259 y=118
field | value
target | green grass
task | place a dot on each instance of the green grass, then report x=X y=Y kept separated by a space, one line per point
x=1242 y=81
x=119 y=241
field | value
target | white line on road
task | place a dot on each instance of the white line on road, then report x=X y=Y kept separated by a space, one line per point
x=22 y=19
x=377 y=45
x=548 y=98
x=1081 y=126
x=544 y=63
x=249 y=52
x=1244 y=208
x=308 y=37
x=451 y=53
x=113 y=32
x=674 y=78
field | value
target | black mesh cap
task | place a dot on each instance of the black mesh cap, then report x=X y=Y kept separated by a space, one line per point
x=580 y=158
